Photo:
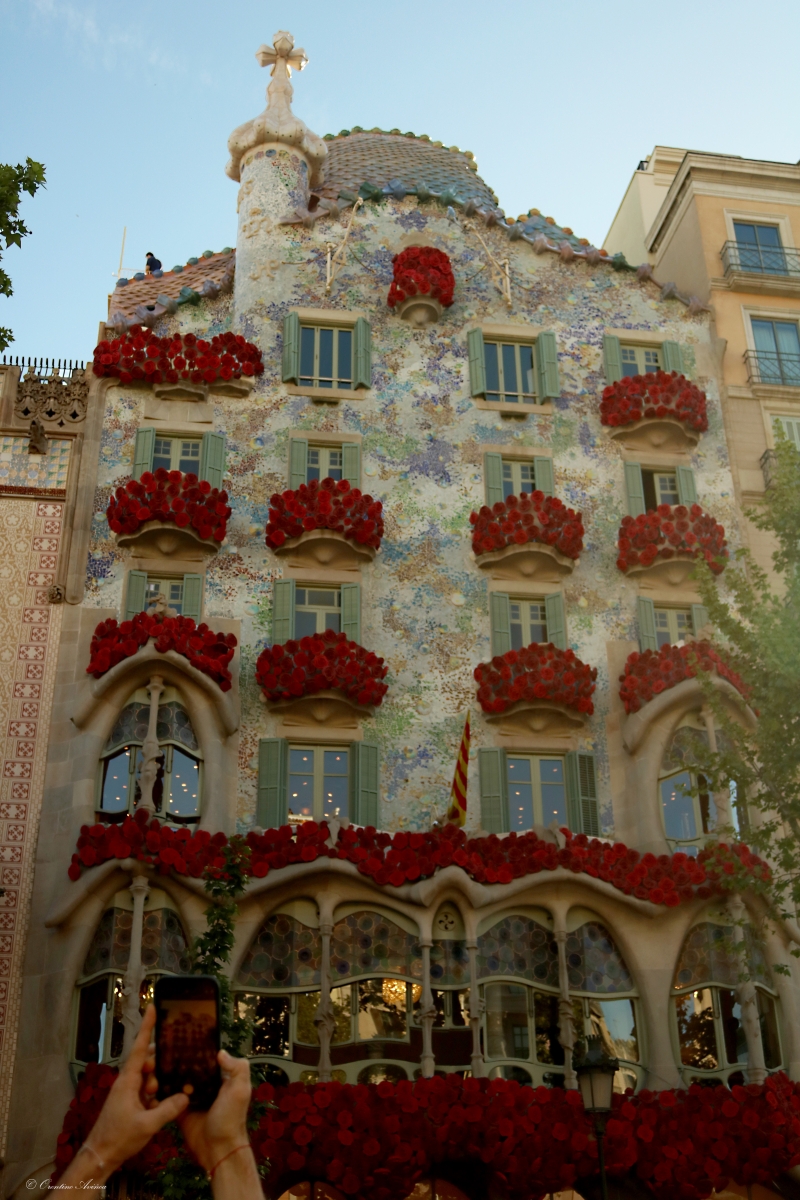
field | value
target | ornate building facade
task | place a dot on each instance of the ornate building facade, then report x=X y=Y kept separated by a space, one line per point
x=315 y=500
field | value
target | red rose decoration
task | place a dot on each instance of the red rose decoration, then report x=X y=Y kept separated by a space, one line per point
x=657 y=395
x=207 y=651
x=329 y=504
x=651 y=672
x=531 y=517
x=168 y=359
x=422 y=271
x=320 y=663
x=171 y=497
x=669 y=530
x=539 y=672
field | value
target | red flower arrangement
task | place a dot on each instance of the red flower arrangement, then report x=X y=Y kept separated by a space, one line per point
x=170 y=496
x=531 y=517
x=539 y=672
x=377 y=1141
x=209 y=652
x=329 y=504
x=316 y=664
x=421 y=271
x=671 y=530
x=140 y=357
x=655 y=395
x=651 y=672
x=392 y=860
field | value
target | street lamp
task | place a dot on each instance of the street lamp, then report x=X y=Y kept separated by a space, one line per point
x=595 y=1073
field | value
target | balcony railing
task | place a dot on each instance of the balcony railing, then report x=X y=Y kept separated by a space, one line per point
x=773 y=368
x=760 y=260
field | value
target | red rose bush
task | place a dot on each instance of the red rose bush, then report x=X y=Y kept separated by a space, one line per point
x=670 y=530
x=329 y=504
x=522 y=1142
x=209 y=652
x=531 y=517
x=170 y=497
x=139 y=356
x=650 y=672
x=657 y=395
x=539 y=672
x=422 y=271
x=321 y=663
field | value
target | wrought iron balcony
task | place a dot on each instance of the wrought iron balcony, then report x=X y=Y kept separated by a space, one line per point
x=750 y=259
x=769 y=461
x=772 y=368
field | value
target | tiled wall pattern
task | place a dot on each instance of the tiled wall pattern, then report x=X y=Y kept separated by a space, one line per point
x=19 y=469
x=30 y=532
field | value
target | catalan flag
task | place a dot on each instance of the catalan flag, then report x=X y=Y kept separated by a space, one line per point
x=457 y=812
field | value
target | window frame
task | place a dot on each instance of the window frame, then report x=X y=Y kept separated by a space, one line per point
x=516 y=466
x=773 y=316
x=176 y=440
x=524 y=400
x=168 y=579
x=526 y=623
x=325 y=450
x=318 y=777
x=650 y=483
x=319 y=609
x=640 y=350
x=724 y=1068
x=336 y=381
x=695 y=843
x=537 y=802
x=671 y=610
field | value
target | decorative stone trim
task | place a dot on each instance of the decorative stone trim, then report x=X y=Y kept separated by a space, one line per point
x=325 y=548
x=534 y=562
x=330 y=708
x=164 y=537
x=665 y=434
x=685 y=696
x=538 y=716
x=670 y=572
x=419 y=311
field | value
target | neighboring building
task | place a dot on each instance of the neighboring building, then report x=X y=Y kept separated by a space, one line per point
x=727 y=230
x=435 y=410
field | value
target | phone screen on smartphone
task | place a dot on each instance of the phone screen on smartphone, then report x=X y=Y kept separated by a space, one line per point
x=187 y=1038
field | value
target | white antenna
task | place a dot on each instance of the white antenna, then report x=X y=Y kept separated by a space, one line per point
x=122 y=255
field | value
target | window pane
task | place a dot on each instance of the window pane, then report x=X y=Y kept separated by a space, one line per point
x=313 y=464
x=508 y=480
x=510 y=385
x=614 y=1022
x=307 y=1004
x=698 y=1040
x=335 y=464
x=764 y=336
x=652 y=361
x=677 y=802
x=537 y=622
x=345 y=367
x=663 y=636
x=270 y=1018
x=325 y=357
x=667 y=488
x=335 y=784
x=305 y=624
x=162 y=453
x=189 y=457
x=520 y=793
x=526 y=475
x=554 y=799
x=91 y=1020
x=301 y=782
x=184 y=792
x=745 y=232
x=526 y=369
x=492 y=371
x=548 y=1047
x=460 y=1002
x=769 y=1030
x=732 y=1028
x=323 y=599
x=342 y=1005
x=768 y=236
x=629 y=364
x=381 y=1009
x=507 y=1021
x=115 y=795
x=306 y=354
x=517 y=632
x=117 y=1028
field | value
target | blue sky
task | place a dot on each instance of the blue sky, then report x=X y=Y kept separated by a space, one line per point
x=130 y=108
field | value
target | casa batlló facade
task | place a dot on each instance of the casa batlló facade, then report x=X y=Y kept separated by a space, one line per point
x=396 y=459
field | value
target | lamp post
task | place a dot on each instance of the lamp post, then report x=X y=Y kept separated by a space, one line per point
x=595 y=1071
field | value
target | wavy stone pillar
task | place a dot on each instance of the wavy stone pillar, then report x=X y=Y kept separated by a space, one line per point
x=566 y=1018
x=748 y=999
x=427 y=1014
x=131 y=1017
x=151 y=751
x=475 y=1012
x=323 y=1017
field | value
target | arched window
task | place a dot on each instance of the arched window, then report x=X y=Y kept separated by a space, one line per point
x=518 y=968
x=178 y=787
x=710 y=1032
x=98 y=1021
x=688 y=809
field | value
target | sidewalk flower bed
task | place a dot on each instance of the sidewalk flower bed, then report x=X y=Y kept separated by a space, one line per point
x=329 y=504
x=421 y=271
x=531 y=517
x=393 y=860
x=321 y=663
x=539 y=672
x=520 y=1142
x=654 y=396
x=171 y=497
x=209 y=652
x=670 y=530
x=139 y=356
x=650 y=672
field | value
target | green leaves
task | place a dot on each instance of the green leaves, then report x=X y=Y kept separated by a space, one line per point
x=13 y=182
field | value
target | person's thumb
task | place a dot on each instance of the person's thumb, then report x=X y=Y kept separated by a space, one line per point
x=168 y=1110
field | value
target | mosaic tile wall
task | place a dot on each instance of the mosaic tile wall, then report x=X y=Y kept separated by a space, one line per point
x=19 y=469
x=424 y=602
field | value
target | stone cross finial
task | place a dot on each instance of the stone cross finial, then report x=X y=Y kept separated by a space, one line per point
x=282 y=58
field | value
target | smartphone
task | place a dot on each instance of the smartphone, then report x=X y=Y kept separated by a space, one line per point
x=187 y=1038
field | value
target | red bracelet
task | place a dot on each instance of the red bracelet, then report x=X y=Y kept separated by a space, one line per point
x=236 y=1149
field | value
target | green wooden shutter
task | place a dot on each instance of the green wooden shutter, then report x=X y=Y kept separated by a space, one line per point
x=548 y=383
x=135 y=593
x=364 y=783
x=351 y=611
x=362 y=341
x=298 y=462
x=192 y=596
x=672 y=357
x=556 y=625
x=699 y=618
x=493 y=477
x=500 y=619
x=272 y=807
x=634 y=488
x=543 y=475
x=477 y=363
x=143 y=452
x=579 y=773
x=687 y=492
x=351 y=463
x=612 y=358
x=646 y=616
x=212 y=458
x=494 y=790
x=290 y=359
x=282 y=611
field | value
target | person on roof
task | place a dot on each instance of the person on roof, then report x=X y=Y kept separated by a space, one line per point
x=152 y=263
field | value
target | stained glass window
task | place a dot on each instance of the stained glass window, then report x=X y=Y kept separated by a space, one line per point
x=594 y=963
x=710 y=955
x=285 y=954
x=519 y=946
x=367 y=943
x=449 y=963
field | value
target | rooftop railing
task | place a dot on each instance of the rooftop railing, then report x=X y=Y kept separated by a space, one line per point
x=773 y=368
x=760 y=260
x=45 y=368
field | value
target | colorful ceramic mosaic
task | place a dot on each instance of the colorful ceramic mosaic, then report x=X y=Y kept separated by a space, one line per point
x=520 y=947
x=594 y=963
x=163 y=942
x=710 y=955
x=285 y=954
x=44 y=472
x=367 y=943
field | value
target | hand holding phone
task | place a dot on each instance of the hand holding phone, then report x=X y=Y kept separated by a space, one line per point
x=187 y=1038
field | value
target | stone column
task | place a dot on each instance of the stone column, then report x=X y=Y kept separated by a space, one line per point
x=131 y=1017
x=722 y=800
x=748 y=1000
x=427 y=1014
x=566 y=1019
x=323 y=1017
x=151 y=750
x=475 y=1012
